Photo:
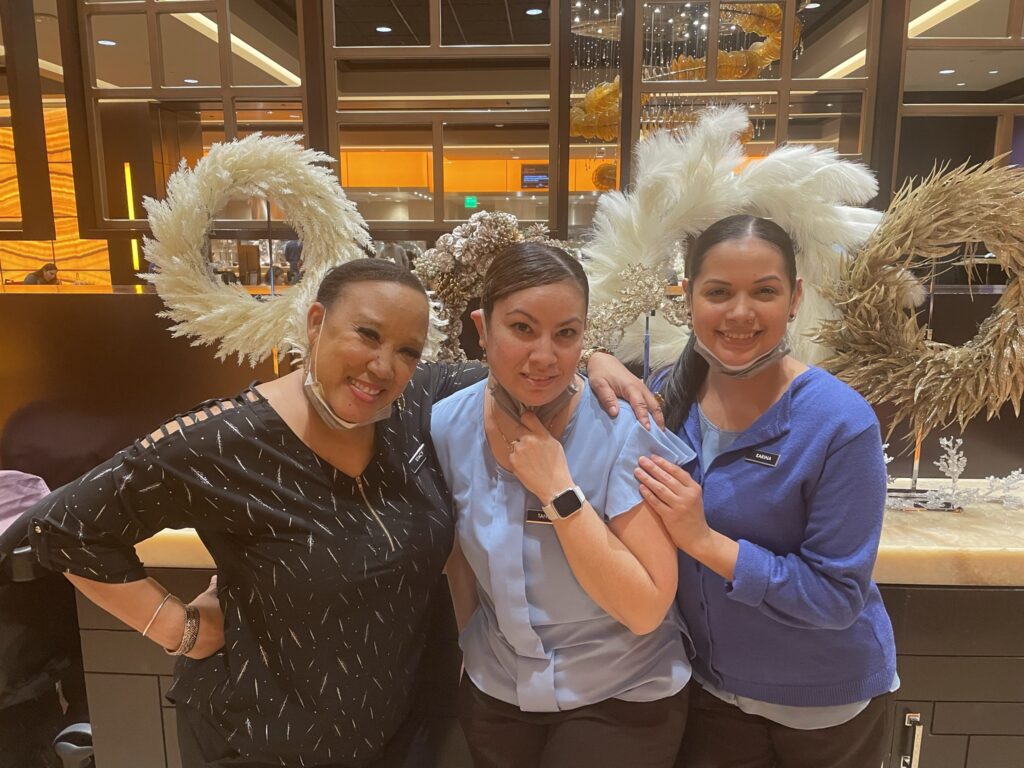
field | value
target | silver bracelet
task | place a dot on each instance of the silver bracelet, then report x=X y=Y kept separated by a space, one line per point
x=157 y=611
x=190 y=632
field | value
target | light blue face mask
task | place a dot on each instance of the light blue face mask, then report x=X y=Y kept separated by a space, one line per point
x=743 y=371
x=315 y=394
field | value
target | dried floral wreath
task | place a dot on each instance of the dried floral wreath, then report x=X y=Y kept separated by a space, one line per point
x=302 y=183
x=882 y=351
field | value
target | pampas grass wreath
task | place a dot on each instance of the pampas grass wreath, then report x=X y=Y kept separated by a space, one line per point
x=684 y=183
x=302 y=183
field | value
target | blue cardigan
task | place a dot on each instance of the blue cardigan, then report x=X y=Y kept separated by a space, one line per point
x=803 y=491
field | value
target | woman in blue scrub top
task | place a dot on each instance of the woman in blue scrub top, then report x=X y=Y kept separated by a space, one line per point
x=778 y=524
x=563 y=578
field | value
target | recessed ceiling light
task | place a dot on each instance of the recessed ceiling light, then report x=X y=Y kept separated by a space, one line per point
x=383 y=28
x=579 y=4
x=657 y=10
x=294 y=116
x=499 y=125
x=600 y=31
x=534 y=11
x=106 y=42
x=946 y=71
x=812 y=6
x=828 y=105
x=597 y=11
x=576 y=19
x=190 y=80
x=993 y=71
x=961 y=84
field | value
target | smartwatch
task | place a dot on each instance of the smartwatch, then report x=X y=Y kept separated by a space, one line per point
x=565 y=504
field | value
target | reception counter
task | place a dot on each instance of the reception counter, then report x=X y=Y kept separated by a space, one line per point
x=981 y=546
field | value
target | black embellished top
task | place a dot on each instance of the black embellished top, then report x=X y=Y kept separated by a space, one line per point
x=324 y=579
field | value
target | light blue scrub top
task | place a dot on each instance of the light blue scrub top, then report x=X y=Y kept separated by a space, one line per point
x=537 y=640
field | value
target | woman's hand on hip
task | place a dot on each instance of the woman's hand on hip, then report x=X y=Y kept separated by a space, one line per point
x=676 y=499
x=538 y=460
x=211 y=623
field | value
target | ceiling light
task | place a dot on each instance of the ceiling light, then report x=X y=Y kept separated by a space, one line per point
x=657 y=10
x=534 y=11
x=383 y=28
x=961 y=84
x=812 y=6
x=993 y=71
x=579 y=4
x=190 y=80
x=515 y=157
x=499 y=125
x=106 y=42
x=294 y=116
x=600 y=31
x=946 y=71
x=828 y=105
x=597 y=11
x=576 y=19
x=703 y=26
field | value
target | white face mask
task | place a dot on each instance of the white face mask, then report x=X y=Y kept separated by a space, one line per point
x=315 y=394
x=752 y=368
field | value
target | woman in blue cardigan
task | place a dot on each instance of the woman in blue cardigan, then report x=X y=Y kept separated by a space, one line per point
x=778 y=524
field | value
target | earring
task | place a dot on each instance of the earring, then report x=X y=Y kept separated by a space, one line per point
x=792 y=317
x=483 y=354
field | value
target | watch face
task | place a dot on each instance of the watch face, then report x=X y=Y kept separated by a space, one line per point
x=566 y=503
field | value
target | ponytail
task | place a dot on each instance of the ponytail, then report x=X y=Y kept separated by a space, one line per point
x=682 y=384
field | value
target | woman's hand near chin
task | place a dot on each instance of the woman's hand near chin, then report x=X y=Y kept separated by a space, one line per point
x=538 y=460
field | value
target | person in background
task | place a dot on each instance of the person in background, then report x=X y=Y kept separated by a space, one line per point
x=45 y=275
x=778 y=525
x=562 y=576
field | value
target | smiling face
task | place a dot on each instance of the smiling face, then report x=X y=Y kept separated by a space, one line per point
x=367 y=345
x=533 y=339
x=742 y=299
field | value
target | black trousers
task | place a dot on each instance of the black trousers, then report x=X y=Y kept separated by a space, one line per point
x=202 y=746
x=720 y=735
x=609 y=734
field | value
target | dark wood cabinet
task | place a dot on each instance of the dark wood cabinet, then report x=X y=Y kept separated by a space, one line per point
x=960 y=657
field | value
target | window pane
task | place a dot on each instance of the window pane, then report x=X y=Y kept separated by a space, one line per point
x=675 y=39
x=927 y=141
x=120 y=50
x=495 y=22
x=444 y=84
x=496 y=168
x=977 y=18
x=264 y=45
x=387 y=171
x=189 y=45
x=143 y=143
x=749 y=41
x=674 y=112
x=595 y=113
x=958 y=76
x=368 y=22
x=827 y=120
x=833 y=42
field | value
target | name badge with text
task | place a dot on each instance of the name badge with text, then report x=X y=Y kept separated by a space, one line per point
x=764 y=458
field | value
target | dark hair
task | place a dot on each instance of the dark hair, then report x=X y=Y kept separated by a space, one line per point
x=364 y=271
x=529 y=265
x=48 y=265
x=687 y=375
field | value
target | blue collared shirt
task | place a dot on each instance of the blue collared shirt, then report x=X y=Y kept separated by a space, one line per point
x=537 y=640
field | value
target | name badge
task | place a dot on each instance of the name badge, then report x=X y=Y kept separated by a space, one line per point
x=755 y=456
x=418 y=459
x=537 y=516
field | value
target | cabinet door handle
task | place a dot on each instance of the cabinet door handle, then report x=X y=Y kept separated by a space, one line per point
x=913 y=760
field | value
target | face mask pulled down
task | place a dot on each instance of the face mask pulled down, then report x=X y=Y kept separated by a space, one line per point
x=315 y=394
x=752 y=368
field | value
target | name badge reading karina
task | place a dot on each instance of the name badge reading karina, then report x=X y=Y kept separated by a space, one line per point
x=755 y=456
x=418 y=458
x=537 y=516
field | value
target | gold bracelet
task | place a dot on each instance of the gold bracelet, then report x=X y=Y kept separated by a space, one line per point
x=153 y=618
x=189 y=633
x=587 y=354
